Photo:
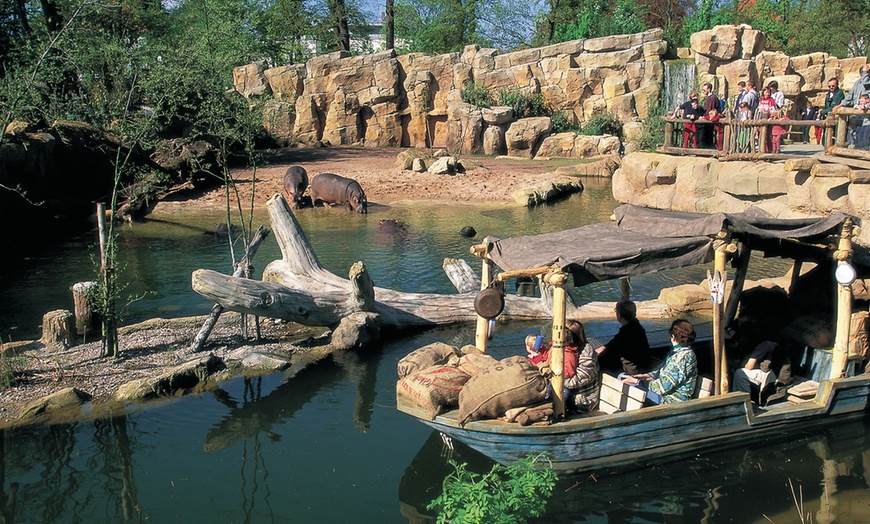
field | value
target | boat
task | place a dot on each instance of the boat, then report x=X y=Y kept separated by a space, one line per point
x=641 y=241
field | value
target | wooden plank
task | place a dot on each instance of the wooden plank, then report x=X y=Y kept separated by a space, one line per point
x=860 y=176
x=860 y=164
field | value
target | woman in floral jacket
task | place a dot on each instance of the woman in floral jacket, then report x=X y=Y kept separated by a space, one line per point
x=675 y=380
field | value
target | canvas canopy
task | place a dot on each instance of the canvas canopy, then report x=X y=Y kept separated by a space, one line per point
x=643 y=240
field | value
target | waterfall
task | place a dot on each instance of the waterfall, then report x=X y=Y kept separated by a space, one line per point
x=679 y=82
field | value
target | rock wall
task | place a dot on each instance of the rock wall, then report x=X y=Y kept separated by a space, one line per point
x=413 y=100
x=727 y=54
x=796 y=188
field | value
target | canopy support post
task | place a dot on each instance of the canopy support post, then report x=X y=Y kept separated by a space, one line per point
x=743 y=255
x=557 y=279
x=625 y=288
x=843 y=256
x=481 y=333
x=720 y=372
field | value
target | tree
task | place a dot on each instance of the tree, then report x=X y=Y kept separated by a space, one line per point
x=437 y=26
x=389 y=25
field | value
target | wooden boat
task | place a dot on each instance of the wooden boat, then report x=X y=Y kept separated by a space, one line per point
x=724 y=419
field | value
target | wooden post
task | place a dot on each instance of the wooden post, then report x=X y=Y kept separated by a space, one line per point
x=743 y=255
x=720 y=362
x=625 y=288
x=726 y=141
x=482 y=332
x=557 y=279
x=843 y=256
x=57 y=329
x=83 y=306
x=762 y=139
x=109 y=343
x=842 y=130
x=669 y=134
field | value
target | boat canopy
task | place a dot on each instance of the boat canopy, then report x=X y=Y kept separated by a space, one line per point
x=643 y=240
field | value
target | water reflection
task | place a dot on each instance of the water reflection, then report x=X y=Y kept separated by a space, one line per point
x=829 y=474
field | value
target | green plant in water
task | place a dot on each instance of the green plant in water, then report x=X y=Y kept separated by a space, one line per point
x=475 y=94
x=505 y=495
x=603 y=124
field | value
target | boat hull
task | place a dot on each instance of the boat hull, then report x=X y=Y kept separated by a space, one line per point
x=654 y=433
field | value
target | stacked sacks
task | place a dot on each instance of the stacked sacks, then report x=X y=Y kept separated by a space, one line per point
x=506 y=384
x=429 y=378
x=439 y=377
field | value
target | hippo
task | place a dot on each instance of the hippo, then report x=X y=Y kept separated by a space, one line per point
x=392 y=227
x=295 y=184
x=331 y=189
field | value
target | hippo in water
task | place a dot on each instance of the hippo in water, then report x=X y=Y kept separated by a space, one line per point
x=295 y=184
x=334 y=189
x=392 y=227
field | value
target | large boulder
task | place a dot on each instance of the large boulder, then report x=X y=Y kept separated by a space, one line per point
x=524 y=136
x=250 y=81
x=723 y=42
x=356 y=331
x=179 y=379
x=286 y=82
x=65 y=399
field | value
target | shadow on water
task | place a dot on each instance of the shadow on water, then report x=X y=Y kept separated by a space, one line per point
x=829 y=474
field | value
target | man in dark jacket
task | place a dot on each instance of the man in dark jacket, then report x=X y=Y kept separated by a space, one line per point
x=629 y=349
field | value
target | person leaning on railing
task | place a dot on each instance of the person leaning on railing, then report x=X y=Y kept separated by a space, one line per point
x=851 y=99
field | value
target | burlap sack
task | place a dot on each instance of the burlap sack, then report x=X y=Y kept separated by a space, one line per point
x=859 y=338
x=509 y=383
x=435 y=389
x=809 y=330
x=435 y=354
x=474 y=363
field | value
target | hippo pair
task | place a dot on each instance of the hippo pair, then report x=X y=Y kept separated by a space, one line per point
x=327 y=188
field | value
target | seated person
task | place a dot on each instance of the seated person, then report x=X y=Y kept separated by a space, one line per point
x=629 y=349
x=758 y=374
x=533 y=347
x=675 y=380
x=580 y=372
x=585 y=386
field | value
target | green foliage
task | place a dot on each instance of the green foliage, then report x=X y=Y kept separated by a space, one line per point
x=598 y=18
x=437 y=26
x=505 y=495
x=524 y=105
x=603 y=124
x=653 y=131
x=10 y=367
x=476 y=94
x=709 y=13
x=562 y=123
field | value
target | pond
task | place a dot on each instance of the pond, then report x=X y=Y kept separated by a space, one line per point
x=328 y=443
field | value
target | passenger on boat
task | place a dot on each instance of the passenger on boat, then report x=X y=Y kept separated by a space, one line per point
x=629 y=349
x=533 y=347
x=581 y=372
x=765 y=369
x=675 y=380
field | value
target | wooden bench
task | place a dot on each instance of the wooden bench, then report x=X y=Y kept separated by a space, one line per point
x=703 y=387
x=618 y=396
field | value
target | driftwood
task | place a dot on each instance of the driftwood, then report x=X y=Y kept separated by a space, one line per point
x=464 y=278
x=241 y=269
x=297 y=288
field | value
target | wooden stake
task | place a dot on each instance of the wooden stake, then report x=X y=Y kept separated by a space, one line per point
x=720 y=362
x=83 y=307
x=481 y=334
x=843 y=256
x=557 y=279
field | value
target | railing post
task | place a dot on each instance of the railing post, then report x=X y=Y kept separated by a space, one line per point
x=842 y=129
x=669 y=134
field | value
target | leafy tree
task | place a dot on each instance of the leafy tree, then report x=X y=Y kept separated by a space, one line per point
x=437 y=26
x=595 y=18
x=708 y=14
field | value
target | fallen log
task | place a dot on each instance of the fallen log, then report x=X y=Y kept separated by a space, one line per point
x=298 y=288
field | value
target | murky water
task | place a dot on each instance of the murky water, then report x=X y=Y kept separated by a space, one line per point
x=328 y=444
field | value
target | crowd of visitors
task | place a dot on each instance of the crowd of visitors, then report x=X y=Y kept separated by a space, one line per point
x=703 y=114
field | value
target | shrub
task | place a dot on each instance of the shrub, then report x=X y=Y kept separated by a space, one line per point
x=603 y=124
x=475 y=94
x=10 y=366
x=653 y=131
x=524 y=105
x=505 y=495
x=561 y=123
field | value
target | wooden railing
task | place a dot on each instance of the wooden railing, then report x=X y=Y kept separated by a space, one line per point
x=746 y=139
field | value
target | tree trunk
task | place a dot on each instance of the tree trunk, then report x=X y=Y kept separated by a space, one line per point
x=389 y=26
x=53 y=20
x=57 y=329
x=298 y=289
x=21 y=17
x=83 y=306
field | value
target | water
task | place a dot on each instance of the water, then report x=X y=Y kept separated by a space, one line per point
x=678 y=83
x=328 y=443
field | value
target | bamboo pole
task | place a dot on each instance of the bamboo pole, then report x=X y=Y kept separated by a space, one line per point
x=481 y=333
x=843 y=256
x=109 y=343
x=557 y=279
